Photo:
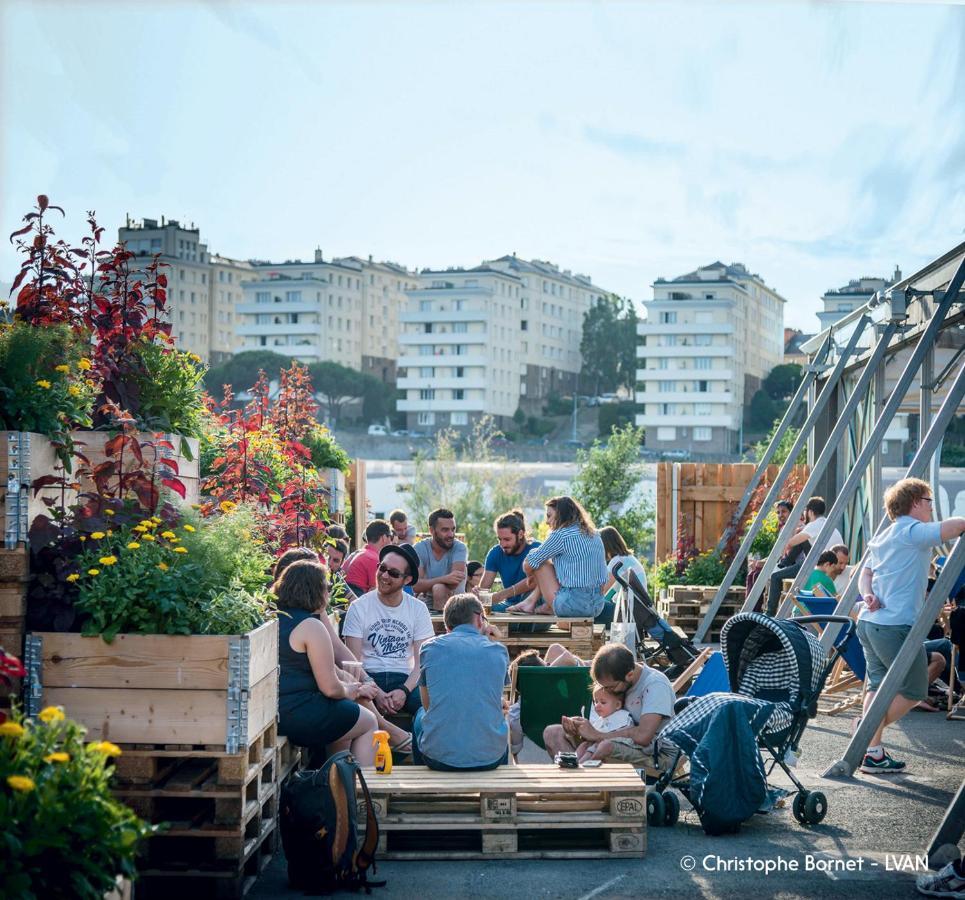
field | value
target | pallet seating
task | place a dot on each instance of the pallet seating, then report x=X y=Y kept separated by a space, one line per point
x=686 y=606
x=513 y=812
x=577 y=634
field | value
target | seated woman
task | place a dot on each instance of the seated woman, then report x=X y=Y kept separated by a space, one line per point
x=316 y=708
x=618 y=557
x=570 y=585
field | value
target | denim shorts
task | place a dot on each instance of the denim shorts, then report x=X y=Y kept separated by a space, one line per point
x=578 y=601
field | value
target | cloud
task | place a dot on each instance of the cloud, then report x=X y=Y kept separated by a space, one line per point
x=628 y=144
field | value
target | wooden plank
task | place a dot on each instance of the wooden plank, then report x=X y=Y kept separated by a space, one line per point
x=262 y=651
x=13 y=600
x=263 y=703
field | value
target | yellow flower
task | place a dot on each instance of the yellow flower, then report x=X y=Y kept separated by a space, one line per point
x=109 y=532
x=84 y=365
x=97 y=535
x=105 y=747
x=227 y=506
x=157 y=520
x=73 y=390
x=174 y=540
x=89 y=382
x=61 y=368
x=51 y=714
x=108 y=560
x=195 y=506
x=82 y=539
x=11 y=729
x=21 y=783
x=59 y=757
x=43 y=383
x=189 y=528
x=140 y=529
x=108 y=512
x=180 y=549
x=147 y=537
x=163 y=566
x=73 y=577
x=167 y=534
x=133 y=545
x=93 y=571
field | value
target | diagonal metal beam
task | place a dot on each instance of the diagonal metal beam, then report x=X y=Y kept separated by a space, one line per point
x=774 y=491
x=800 y=399
x=821 y=463
x=869 y=452
x=943 y=846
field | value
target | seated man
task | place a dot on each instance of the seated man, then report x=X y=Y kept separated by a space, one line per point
x=402 y=531
x=442 y=560
x=385 y=629
x=506 y=560
x=821 y=581
x=450 y=733
x=335 y=554
x=647 y=695
x=360 y=572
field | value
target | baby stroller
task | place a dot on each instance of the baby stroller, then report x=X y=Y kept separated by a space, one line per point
x=776 y=669
x=679 y=651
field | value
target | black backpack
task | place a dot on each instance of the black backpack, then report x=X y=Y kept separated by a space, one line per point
x=319 y=817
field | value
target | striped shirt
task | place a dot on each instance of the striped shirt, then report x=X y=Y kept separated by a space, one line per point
x=579 y=559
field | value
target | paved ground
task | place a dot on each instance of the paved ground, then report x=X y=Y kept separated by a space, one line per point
x=870 y=821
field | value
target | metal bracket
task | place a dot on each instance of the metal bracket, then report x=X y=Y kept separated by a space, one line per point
x=33 y=659
x=18 y=487
x=239 y=652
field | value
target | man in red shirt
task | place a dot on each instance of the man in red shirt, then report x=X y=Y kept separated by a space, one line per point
x=360 y=575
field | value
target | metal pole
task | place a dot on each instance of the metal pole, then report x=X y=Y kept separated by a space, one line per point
x=799 y=398
x=916 y=468
x=877 y=488
x=817 y=471
x=803 y=435
x=943 y=847
x=870 y=451
x=911 y=648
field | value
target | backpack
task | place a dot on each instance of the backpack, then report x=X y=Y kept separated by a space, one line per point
x=319 y=818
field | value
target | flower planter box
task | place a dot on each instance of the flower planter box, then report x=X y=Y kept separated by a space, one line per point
x=213 y=691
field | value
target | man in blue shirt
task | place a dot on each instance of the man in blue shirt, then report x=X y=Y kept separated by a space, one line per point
x=506 y=560
x=461 y=725
x=893 y=584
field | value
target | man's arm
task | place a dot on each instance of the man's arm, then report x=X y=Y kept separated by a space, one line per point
x=486 y=582
x=641 y=734
x=867 y=592
x=952 y=528
x=515 y=590
x=355 y=645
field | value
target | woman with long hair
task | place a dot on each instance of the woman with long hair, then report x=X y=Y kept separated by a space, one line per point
x=569 y=566
x=619 y=559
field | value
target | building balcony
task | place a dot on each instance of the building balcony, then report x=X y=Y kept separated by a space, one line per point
x=688 y=328
x=684 y=351
x=688 y=374
x=284 y=328
x=476 y=404
x=299 y=351
x=718 y=397
x=443 y=359
x=445 y=337
x=286 y=306
x=719 y=421
x=473 y=382
x=472 y=314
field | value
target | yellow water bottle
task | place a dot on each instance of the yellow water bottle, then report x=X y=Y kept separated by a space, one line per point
x=383 y=753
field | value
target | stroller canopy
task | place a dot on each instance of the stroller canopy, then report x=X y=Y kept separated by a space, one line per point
x=772 y=659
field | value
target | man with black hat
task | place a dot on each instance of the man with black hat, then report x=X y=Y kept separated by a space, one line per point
x=385 y=629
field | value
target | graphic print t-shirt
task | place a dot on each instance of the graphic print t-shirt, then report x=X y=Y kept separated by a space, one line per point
x=387 y=632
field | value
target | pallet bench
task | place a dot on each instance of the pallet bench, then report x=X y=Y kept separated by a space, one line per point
x=577 y=634
x=513 y=812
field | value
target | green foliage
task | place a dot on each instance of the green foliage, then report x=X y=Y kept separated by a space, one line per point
x=519 y=417
x=705 y=569
x=241 y=370
x=783 y=448
x=556 y=405
x=953 y=454
x=662 y=575
x=616 y=415
x=609 y=345
x=763 y=410
x=476 y=495
x=169 y=386
x=607 y=481
x=782 y=381
x=64 y=836
x=325 y=450
x=765 y=539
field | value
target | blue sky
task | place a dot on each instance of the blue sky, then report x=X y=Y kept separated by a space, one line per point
x=815 y=142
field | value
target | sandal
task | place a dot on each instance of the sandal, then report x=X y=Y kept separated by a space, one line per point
x=404 y=746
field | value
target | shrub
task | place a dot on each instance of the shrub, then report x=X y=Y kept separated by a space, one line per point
x=169 y=386
x=325 y=450
x=705 y=569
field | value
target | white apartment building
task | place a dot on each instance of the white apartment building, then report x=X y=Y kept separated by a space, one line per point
x=843 y=300
x=709 y=339
x=459 y=348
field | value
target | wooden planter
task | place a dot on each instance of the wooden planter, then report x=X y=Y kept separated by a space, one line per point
x=25 y=457
x=215 y=691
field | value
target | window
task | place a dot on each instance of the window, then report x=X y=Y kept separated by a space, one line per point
x=425 y=350
x=524 y=325
x=293 y=296
x=427 y=394
x=427 y=418
x=701 y=409
x=703 y=362
x=668 y=387
x=668 y=318
x=459 y=418
x=666 y=434
x=703 y=387
x=458 y=394
x=708 y=297
x=702 y=433
x=425 y=306
x=670 y=340
x=702 y=340
x=668 y=409
x=427 y=372
x=460 y=327
x=662 y=362
x=427 y=328
x=460 y=372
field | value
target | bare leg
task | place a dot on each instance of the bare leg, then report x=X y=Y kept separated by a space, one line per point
x=547 y=584
x=899 y=706
x=396 y=734
x=602 y=750
x=557 y=740
x=936 y=665
x=440 y=594
x=558 y=655
x=358 y=739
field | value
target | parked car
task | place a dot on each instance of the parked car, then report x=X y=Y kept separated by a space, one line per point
x=676 y=454
x=378 y=430
x=607 y=399
x=402 y=432
x=578 y=445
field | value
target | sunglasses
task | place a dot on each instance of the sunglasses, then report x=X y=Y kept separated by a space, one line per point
x=392 y=573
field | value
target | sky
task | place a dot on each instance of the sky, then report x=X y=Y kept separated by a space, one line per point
x=813 y=142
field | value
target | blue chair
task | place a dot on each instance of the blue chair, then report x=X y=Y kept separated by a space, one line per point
x=712 y=678
x=851 y=652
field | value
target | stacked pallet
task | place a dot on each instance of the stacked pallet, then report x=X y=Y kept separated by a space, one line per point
x=576 y=634
x=219 y=813
x=686 y=606
x=513 y=812
x=14 y=567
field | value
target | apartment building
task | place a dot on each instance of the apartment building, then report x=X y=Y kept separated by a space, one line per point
x=843 y=300
x=709 y=339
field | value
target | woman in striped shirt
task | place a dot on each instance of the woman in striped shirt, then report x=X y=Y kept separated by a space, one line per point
x=569 y=566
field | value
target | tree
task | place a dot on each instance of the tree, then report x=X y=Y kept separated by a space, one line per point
x=609 y=345
x=763 y=410
x=783 y=448
x=608 y=483
x=782 y=381
x=241 y=371
x=336 y=385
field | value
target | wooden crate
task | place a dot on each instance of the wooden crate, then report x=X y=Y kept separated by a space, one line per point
x=14 y=565
x=513 y=812
x=25 y=457
x=214 y=692
x=575 y=633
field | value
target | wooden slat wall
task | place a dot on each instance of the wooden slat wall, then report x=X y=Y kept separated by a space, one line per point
x=708 y=496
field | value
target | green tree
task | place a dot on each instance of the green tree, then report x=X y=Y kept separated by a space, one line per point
x=336 y=385
x=241 y=371
x=607 y=484
x=782 y=381
x=783 y=448
x=476 y=494
x=763 y=410
x=609 y=345
x=615 y=415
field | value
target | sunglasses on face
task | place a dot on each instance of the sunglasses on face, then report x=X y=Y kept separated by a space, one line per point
x=392 y=573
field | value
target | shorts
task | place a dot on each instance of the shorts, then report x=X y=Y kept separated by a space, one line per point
x=392 y=681
x=643 y=757
x=578 y=601
x=881 y=644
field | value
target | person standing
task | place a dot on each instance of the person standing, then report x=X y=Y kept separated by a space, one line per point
x=893 y=583
x=442 y=560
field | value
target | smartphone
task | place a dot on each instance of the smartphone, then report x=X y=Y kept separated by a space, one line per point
x=592 y=763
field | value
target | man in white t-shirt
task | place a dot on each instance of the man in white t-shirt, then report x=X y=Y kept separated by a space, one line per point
x=385 y=629
x=814 y=520
x=647 y=695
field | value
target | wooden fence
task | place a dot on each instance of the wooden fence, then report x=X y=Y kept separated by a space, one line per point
x=702 y=497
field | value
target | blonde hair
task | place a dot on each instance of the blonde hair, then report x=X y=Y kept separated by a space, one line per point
x=460 y=609
x=903 y=495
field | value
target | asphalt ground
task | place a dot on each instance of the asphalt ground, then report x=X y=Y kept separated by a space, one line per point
x=874 y=827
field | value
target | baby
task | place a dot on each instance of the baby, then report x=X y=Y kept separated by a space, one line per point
x=607 y=715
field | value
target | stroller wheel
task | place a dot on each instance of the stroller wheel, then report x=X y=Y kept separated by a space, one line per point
x=671 y=809
x=656 y=809
x=798 y=808
x=815 y=807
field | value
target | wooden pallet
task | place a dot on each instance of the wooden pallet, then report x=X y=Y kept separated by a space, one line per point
x=577 y=634
x=14 y=569
x=513 y=812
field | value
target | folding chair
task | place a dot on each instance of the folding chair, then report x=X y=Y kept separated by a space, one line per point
x=547 y=693
x=852 y=656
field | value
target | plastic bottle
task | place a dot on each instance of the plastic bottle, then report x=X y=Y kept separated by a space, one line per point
x=383 y=753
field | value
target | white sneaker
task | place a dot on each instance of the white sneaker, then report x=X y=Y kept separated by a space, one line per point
x=943 y=883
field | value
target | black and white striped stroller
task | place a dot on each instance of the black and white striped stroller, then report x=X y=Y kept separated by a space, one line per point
x=776 y=669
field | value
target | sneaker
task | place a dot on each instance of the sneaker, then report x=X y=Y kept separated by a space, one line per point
x=885 y=766
x=943 y=883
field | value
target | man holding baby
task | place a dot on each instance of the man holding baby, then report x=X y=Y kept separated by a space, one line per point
x=646 y=695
